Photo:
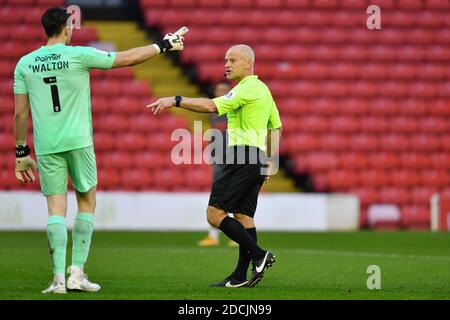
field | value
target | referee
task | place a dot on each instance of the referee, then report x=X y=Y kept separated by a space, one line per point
x=252 y=118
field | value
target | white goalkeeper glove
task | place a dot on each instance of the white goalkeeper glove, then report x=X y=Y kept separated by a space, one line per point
x=170 y=42
x=24 y=165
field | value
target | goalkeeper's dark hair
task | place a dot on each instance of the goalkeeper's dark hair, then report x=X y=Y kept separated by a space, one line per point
x=54 y=20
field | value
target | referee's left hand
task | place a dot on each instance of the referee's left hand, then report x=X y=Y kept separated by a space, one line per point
x=161 y=104
x=269 y=171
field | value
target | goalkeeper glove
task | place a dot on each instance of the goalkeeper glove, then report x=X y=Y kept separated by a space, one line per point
x=170 y=42
x=24 y=164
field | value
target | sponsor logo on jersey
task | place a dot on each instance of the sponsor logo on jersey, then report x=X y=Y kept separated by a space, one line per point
x=49 y=57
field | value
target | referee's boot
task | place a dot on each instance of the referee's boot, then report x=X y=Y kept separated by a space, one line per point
x=230 y=282
x=259 y=267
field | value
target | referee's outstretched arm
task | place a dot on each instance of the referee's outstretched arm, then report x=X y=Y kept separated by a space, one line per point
x=192 y=104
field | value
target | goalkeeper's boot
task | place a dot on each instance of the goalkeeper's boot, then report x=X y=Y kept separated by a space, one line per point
x=259 y=267
x=78 y=280
x=56 y=287
x=209 y=242
x=230 y=282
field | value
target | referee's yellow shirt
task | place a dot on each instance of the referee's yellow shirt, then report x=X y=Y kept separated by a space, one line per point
x=250 y=110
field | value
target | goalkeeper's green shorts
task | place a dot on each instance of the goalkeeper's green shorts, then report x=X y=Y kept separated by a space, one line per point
x=55 y=169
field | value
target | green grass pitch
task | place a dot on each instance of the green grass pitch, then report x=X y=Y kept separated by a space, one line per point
x=169 y=265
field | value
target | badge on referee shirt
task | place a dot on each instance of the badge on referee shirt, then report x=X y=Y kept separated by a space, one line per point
x=230 y=95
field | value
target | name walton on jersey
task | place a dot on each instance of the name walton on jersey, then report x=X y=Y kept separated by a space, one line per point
x=51 y=64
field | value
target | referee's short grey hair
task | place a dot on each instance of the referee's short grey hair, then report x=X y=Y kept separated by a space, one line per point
x=246 y=50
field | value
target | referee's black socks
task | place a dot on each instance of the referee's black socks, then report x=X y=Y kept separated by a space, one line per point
x=240 y=273
x=236 y=231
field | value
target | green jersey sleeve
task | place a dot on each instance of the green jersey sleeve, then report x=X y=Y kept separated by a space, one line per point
x=274 y=119
x=229 y=102
x=93 y=58
x=20 y=86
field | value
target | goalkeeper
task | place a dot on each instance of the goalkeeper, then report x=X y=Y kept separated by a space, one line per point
x=53 y=81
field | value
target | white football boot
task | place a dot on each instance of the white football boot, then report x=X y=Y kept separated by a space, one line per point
x=58 y=285
x=78 y=280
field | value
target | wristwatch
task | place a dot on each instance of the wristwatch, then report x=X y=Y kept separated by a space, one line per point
x=178 y=100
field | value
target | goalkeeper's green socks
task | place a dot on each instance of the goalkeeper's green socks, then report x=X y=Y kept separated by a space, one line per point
x=57 y=240
x=81 y=237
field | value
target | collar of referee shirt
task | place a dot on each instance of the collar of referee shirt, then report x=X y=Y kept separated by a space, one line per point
x=248 y=77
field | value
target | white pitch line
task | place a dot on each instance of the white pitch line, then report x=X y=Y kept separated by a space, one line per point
x=364 y=254
x=296 y=251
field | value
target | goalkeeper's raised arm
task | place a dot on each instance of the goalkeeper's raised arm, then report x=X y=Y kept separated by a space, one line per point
x=170 y=42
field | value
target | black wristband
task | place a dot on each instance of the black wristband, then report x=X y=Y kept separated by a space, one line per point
x=22 y=151
x=164 y=45
x=178 y=100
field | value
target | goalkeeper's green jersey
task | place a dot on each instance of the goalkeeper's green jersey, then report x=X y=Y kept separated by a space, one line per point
x=250 y=110
x=56 y=79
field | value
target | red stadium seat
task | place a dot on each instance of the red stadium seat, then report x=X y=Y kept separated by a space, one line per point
x=167 y=179
x=394 y=142
x=385 y=4
x=50 y=3
x=374 y=178
x=422 y=195
x=325 y=4
x=344 y=124
x=296 y=3
x=440 y=161
x=108 y=179
x=135 y=179
x=424 y=143
x=231 y=17
x=429 y=19
x=285 y=18
x=383 y=160
x=412 y=5
x=150 y=160
x=433 y=72
x=404 y=178
x=392 y=195
x=313 y=124
x=366 y=195
x=241 y=3
x=373 y=124
x=268 y=3
x=363 y=142
x=132 y=141
x=435 y=178
x=104 y=142
x=351 y=160
x=333 y=142
x=183 y=3
x=437 y=4
x=348 y=19
x=212 y=3
x=415 y=161
x=403 y=124
x=412 y=107
x=321 y=161
x=324 y=106
x=353 y=4
x=118 y=160
x=304 y=35
x=300 y=143
x=342 y=179
x=416 y=217
x=394 y=89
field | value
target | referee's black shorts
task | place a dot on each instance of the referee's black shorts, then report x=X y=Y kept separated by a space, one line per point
x=235 y=189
